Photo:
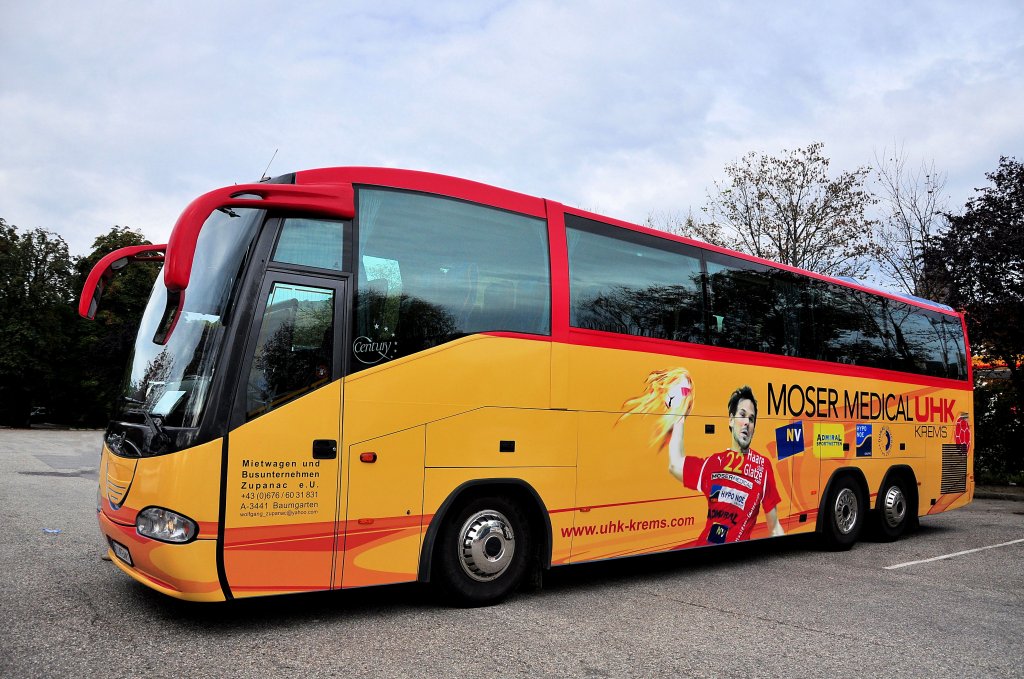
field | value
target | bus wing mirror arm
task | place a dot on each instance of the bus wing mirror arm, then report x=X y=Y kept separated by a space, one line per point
x=107 y=268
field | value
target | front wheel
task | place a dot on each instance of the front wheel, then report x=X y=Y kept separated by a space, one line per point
x=843 y=514
x=484 y=550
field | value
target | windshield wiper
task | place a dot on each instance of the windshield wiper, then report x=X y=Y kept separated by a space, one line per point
x=155 y=437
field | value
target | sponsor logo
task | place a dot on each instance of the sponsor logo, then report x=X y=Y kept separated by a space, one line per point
x=884 y=440
x=732 y=496
x=723 y=514
x=789 y=440
x=864 y=440
x=828 y=441
x=370 y=352
x=796 y=400
x=718 y=534
x=738 y=480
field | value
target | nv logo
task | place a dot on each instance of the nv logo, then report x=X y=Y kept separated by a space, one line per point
x=789 y=440
x=718 y=534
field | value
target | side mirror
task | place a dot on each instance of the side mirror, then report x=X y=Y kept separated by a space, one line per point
x=107 y=268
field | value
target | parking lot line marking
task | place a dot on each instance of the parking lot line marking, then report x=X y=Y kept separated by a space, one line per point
x=950 y=556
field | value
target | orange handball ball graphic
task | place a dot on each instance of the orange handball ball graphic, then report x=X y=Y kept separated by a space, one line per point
x=679 y=396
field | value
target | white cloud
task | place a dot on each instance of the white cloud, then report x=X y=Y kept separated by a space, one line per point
x=121 y=113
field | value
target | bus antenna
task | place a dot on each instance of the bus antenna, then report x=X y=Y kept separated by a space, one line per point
x=264 y=176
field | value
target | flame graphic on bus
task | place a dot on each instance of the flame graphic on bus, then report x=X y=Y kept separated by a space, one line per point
x=669 y=393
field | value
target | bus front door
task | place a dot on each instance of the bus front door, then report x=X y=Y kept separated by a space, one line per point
x=283 y=471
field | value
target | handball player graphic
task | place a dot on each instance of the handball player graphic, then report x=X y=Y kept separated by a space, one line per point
x=737 y=482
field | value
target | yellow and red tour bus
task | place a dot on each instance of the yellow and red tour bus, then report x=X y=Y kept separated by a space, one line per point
x=359 y=376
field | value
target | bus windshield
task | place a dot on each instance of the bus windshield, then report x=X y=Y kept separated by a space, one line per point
x=166 y=386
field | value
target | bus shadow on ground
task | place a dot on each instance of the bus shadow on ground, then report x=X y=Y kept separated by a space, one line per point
x=413 y=598
x=694 y=561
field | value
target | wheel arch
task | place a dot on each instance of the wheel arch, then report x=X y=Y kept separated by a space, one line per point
x=517 y=490
x=907 y=473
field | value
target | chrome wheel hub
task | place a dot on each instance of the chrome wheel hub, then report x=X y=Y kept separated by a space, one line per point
x=894 y=506
x=846 y=510
x=486 y=545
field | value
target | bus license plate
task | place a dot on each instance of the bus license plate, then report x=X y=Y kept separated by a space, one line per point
x=122 y=552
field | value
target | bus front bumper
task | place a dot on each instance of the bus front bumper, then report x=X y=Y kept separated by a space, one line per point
x=184 y=571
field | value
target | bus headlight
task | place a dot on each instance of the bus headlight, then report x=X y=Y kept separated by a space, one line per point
x=164 y=525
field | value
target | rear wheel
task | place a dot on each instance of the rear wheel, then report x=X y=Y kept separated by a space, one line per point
x=483 y=551
x=893 y=514
x=843 y=514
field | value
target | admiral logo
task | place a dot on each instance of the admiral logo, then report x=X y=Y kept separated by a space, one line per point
x=723 y=515
x=828 y=441
x=864 y=440
x=789 y=440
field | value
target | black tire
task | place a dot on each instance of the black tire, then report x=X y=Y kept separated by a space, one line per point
x=483 y=552
x=842 y=514
x=893 y=513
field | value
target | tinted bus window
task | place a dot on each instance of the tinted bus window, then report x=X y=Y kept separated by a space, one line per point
x=633 y=284
x=311 y=242
x=954 y=347
x=850 y=327
x=792 y=315
x=432 y=269
x=756 y=308
x=918 y=344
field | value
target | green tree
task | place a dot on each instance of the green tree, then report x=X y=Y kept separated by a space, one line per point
x=35 y=316
x=788 y=209
x=979 y=264
x=999 y=429
x=103 y=346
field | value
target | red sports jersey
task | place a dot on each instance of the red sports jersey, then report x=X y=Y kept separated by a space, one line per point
x=736 y=486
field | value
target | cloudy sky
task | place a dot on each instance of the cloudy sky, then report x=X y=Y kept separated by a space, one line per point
x=122 y=112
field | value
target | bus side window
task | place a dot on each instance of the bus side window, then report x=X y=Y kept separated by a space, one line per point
x=954 y=347
x=498 y=306
x=917 y=341
x=532 y=304
x=632 y=283
x=311 y=242
x=742 y=304
x=373 y=301
x=463 y=267
x=851 y=327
